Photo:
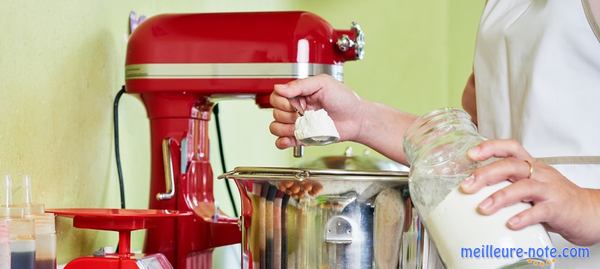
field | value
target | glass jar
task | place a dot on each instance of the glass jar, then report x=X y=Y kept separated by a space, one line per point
x=436 y=145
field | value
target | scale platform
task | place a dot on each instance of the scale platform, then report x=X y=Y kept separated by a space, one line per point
x=123 y=221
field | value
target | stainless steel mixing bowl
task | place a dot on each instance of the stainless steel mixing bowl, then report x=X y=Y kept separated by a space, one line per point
x=311 y=218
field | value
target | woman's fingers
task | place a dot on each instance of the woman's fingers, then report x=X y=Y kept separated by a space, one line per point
x=498 y=149
x=284 y=116
x=523 y=190
x=281 y=129
x=537 y=214
x=285 y=142
x=302 y=87
x=281 y=103
x=298 y=103
x=508 y=168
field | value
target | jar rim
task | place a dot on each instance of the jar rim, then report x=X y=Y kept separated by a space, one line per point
x=444 y=120
x=436 y=114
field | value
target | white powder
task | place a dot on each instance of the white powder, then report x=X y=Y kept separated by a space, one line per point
x=455 y=224
x=316 y=125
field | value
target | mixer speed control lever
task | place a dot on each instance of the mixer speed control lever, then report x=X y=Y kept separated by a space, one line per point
x=168 y=167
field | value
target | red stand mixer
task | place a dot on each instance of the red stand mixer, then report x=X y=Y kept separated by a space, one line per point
x=178 y=63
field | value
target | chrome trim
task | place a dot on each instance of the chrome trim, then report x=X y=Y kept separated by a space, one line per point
x=300 y=174
x=345 y=43
x=298 y=151
x=231 y=70
x=360 y=41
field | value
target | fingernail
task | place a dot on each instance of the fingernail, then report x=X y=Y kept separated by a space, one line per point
x=283 y=86
x=474 y=152
x=467 y=182
x=514 y=221
x=486 y=203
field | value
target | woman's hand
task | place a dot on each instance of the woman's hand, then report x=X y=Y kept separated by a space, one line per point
x=318 y=92
x=559 y=204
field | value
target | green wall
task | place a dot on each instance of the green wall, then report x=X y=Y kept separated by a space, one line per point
x=418 y=53
x=61 y=63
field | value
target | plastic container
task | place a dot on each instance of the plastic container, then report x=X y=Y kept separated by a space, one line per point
x=45 y=233
x=6 y=191
x=436 y=145
x=4 y=246
x=22 y=237
x=45 y=241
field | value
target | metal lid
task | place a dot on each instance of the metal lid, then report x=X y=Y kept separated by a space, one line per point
x=350 y=161
x=328 y=175
x=298 y=182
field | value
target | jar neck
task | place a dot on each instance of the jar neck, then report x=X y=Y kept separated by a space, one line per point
x=433 y=137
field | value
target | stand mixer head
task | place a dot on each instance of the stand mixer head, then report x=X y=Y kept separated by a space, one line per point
x=177 y=63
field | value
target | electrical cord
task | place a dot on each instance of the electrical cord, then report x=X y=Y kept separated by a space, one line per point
x=117 y=150
x=222 y=156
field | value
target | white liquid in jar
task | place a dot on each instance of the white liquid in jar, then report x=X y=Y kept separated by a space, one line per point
x=455 y=224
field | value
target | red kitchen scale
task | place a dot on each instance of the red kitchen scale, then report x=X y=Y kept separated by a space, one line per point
x=180 y=64
x=123 y=221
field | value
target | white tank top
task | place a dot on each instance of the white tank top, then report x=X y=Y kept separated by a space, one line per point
x=537 y=78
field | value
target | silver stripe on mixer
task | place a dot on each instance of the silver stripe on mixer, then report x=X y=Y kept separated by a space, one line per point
x=231 y=70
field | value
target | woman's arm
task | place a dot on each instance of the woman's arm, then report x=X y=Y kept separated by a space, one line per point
x=375 y=125
x=383 y=129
